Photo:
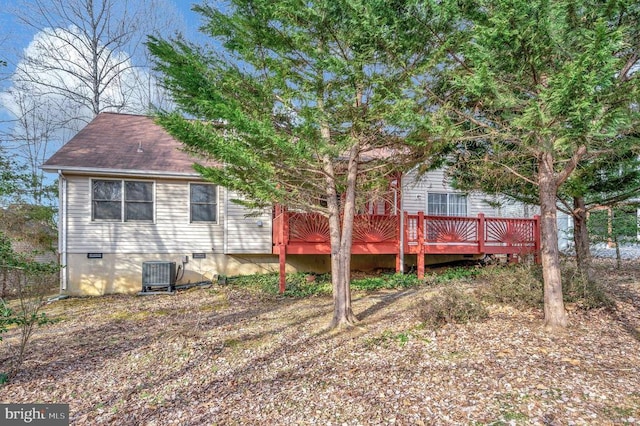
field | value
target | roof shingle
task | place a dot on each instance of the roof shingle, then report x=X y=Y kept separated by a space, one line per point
x=116 y=142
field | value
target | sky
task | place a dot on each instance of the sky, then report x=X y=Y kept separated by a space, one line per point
x=15 y=37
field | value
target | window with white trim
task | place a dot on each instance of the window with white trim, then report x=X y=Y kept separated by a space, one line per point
x=446 y=204
x=203 y=202
x=118 y=200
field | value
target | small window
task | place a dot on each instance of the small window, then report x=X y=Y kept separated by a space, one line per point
x=204 y=202
x=138 y=197
x=446 y=204
x=107 y=200
x=117 y=199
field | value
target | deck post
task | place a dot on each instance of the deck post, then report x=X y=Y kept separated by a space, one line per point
x=282 y=253
x=399 y=218
x=282 y=256
x=536 y=239
x=420 y=229
x=480 y=233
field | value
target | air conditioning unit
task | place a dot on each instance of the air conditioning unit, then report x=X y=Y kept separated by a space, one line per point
x=158 y=275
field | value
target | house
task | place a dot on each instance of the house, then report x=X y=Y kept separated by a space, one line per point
x=128 y=195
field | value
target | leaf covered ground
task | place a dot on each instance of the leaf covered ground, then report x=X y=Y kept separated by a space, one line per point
x=228 y=355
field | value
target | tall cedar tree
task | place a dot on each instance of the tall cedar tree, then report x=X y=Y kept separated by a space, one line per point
x=303 y=104
x=610 y=180
x=542 y=86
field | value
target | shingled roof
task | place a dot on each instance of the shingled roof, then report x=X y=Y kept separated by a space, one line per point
x=122 y=143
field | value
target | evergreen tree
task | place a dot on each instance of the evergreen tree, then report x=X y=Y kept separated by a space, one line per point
x=538 y=89
x=306 y=103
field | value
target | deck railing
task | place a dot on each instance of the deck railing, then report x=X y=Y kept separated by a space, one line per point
x=291 y=228
x=435 y=233
x=487 y=234
x=308 y=233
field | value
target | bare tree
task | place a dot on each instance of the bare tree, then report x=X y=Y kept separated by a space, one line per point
x=35 y=133
x=86 y=57
x=91 y=53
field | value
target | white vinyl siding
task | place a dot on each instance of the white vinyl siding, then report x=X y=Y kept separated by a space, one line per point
x=415 y=190
x=246 y=231
x=171 y=231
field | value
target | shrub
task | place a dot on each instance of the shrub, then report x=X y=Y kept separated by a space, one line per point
x=576 y=288
x=458 y=273
x=517 y=285
x=33 y=283
x=522 y=286
x=6 y=317
x=302 y=285
x=451 y=305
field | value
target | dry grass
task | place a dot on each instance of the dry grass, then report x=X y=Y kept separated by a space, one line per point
x=230 y=356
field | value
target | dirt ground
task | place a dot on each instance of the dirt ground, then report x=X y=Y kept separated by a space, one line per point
x=232 y=357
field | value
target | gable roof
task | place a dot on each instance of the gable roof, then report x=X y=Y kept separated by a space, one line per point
x=123 y=144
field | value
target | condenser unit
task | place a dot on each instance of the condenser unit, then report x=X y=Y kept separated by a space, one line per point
x=158 y=275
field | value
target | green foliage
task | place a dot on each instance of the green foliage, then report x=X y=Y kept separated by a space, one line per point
x=387 y=337
x=299 y=84
x=18 y=185
x=304 y=285
x=451 y=305
x=298 y=284
x=6 y=317
x=458 y=273
x=385 y=281
x=548 y=77
x=620 y=225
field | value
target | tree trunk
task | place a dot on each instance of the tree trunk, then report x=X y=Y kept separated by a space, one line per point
x=341 y=241
x=555 y=315
x=341 y=236
x=581 y=237
x=340 y=263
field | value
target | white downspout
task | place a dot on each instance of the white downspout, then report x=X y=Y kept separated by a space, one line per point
x=401 y=218
x=225 y=223
x=62 y=230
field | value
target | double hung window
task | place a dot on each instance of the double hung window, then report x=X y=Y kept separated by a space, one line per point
x=203 y=200
x=121 y=200
x=448 y=204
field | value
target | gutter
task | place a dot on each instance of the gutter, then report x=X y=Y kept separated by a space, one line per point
x=121 y=172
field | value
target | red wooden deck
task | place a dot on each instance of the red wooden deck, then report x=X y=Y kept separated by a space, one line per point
x=308 y=233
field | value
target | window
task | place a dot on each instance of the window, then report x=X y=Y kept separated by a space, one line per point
x=446 y=204
x=117 y=199
x=204 y=202
x=107 y=196
x=138 y=201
